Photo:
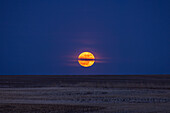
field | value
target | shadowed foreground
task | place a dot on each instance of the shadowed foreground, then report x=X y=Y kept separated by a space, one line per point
x=46 y=108
x=85 y=93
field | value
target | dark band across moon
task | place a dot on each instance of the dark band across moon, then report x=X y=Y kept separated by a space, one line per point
x=86 y=59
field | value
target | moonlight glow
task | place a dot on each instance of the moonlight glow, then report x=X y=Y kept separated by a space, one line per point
x=86 y=59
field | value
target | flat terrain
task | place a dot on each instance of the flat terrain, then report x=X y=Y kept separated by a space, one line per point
x=84 y=93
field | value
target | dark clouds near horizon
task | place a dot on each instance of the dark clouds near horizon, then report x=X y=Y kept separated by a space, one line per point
x=45 y=36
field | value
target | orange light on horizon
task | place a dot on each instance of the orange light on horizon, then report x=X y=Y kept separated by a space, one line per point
x=86 y=59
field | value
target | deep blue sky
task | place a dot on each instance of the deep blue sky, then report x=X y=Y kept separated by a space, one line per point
x=46 y=36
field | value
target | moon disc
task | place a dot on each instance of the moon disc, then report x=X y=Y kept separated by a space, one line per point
x=86 y=59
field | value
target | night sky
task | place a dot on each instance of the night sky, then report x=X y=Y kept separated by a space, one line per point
x=45 y=37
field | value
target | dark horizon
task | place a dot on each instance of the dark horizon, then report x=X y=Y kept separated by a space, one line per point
x=93 y=75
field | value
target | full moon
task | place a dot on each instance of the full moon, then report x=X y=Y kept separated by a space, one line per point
x=86 y=59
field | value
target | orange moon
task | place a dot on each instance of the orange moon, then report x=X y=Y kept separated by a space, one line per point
x=86 y=59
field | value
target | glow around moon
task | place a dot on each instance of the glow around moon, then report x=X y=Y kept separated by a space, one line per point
x=86 y=59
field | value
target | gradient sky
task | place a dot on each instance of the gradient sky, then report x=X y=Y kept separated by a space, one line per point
x=46 y=36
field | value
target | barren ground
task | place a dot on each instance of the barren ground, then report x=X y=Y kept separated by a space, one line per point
x=85 y=93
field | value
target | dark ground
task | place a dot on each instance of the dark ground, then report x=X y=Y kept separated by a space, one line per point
x=46 y=108
x=84 y=93
x=20 y=81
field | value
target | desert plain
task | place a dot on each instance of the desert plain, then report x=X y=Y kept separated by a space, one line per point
x=84 y=93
